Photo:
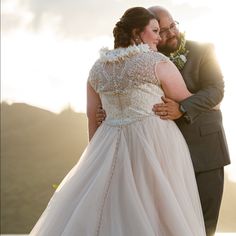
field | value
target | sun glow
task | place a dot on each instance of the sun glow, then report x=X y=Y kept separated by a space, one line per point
x=44 y=68
x=47 y=71
x=50 y=71
x=215 y=27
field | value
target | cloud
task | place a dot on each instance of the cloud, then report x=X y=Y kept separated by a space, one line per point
x=78 y=18
x=14 y=15
x=187 y=12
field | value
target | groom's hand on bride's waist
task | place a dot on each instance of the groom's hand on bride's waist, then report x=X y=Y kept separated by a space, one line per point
x=100 y=115
x=168 y=110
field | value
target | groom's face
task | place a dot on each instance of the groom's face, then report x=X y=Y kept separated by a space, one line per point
x=170 y=35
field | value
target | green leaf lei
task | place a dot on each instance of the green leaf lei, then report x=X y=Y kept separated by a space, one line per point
x=179 y=57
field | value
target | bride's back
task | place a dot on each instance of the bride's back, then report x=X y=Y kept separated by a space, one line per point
x=126 y=82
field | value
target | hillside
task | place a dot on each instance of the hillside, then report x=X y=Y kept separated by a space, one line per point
x=38 y=148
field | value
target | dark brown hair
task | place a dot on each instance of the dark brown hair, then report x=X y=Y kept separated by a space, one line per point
x=134 y=18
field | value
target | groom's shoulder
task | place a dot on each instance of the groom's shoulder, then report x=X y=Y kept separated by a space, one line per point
x=198 y=47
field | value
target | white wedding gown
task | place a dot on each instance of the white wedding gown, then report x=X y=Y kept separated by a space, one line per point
x=135 y=177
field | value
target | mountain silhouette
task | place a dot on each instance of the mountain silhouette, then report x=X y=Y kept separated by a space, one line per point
x=38 y=148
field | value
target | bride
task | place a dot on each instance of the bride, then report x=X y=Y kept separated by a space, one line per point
x=135 y=177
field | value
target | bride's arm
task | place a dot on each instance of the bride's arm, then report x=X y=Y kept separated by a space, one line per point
x=93 y=101
x=171 y=81
x=175 y=91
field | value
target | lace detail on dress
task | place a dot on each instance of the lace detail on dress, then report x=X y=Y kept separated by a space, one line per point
x=120 y=54
x=127 y=84
x=121 y=69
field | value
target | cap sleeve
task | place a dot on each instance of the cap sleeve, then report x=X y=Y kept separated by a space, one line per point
x=93 y=77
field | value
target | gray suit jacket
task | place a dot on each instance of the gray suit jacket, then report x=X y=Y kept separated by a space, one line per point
x=202 y=126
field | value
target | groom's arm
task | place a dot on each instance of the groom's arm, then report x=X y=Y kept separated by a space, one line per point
x=209 y=94
x=211 y=87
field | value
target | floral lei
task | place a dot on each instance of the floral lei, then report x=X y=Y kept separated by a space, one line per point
x=179 y=57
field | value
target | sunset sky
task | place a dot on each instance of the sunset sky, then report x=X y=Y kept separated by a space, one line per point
x=49 y=46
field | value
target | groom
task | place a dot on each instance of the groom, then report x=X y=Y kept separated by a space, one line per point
x=200 y=124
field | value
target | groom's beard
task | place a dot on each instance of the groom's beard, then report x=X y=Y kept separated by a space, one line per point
x=167 y=48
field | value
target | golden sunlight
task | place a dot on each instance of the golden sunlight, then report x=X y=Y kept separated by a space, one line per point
x=49 y=70
x=207 y=28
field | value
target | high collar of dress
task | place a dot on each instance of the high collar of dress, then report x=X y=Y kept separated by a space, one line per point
x=120 y=54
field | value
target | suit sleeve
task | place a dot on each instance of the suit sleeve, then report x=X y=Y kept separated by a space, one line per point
x=211 y=87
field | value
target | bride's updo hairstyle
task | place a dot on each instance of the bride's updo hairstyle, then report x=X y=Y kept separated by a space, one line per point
x=136 y=18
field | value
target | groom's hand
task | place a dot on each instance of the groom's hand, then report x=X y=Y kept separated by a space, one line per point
x=100 y=116
x=168 y=110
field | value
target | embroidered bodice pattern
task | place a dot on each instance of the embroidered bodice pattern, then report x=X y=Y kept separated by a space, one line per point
x=126 y=82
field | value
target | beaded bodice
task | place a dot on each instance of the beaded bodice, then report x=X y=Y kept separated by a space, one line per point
x=126 y=82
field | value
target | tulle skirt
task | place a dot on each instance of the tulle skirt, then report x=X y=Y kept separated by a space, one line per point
x=132 y=180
